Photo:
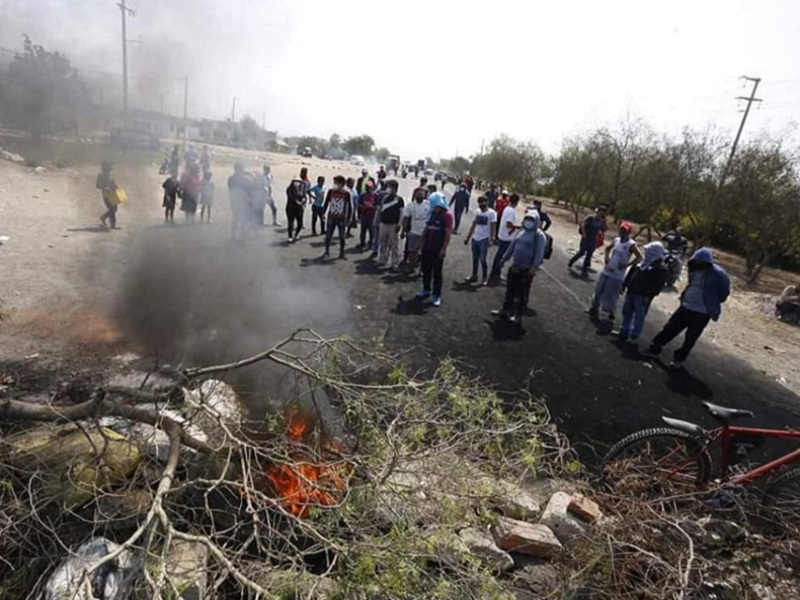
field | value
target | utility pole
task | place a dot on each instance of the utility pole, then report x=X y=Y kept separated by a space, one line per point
x=233 y=111
x=185 y=109
x=125 y=11
x=752 y=98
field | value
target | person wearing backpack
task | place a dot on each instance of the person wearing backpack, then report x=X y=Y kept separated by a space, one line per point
x=643 y=283
x=296 y=195
x=526 y=253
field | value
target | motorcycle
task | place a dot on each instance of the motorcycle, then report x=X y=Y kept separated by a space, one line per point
x=674 y=266
x=165 y=166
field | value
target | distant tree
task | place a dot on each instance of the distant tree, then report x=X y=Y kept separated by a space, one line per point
x=512 y=162
x=42 y=91
x=362 y=145
x=458 y=164
x=335 y=141
x=251 y=131
x=382 y=154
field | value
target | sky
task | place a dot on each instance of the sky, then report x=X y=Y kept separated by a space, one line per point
x=435 y=77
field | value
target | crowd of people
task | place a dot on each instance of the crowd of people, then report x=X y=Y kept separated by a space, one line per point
x=414 y=237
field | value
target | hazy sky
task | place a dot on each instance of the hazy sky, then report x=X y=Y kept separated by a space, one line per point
x=435 y=77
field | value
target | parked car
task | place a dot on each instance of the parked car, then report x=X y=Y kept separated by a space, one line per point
x=357 y=160
x=306 y=152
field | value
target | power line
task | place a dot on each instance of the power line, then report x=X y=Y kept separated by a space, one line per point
x=752 y=98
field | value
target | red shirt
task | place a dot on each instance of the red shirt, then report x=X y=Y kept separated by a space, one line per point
x=500 y=206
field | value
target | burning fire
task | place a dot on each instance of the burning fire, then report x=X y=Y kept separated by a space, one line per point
x=310 y=478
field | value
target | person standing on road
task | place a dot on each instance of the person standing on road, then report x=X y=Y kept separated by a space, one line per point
x=609 y=284
x=591 y=230
x=546 y=221
x=190 y=190
x=481 y=232
x=317 y=205
x=350 y=184
x=526 y=254
x=296 y=194
x=505 y=234
x=207 y=188
x=701 y=302
x=415 y=215
x=171 y=188
x=361 y=184
x=241 y=188
x=338 y=207
x=390 y=214
x=491 y=196
x=265 y=198
x=205 y=164
x=502 y=201
x=108 y=188
x=643 y=283
x=460 y=204
x=435 y=240
x=367 y=209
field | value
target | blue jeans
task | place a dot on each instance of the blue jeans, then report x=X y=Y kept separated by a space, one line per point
x=634 y=312
x=480 y=251
x=502 y=247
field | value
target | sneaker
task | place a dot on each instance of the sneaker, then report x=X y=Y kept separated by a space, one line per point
x=373 y=256
x=275 y=224
x=423 y=295
x=632 y=341
x=485 y=282
x=472 y=279
x=514 y=319
x=592 y=312
x=326 y=255
x=500 y=313
x=342 y=256
x=676 y=364
x=437 y=301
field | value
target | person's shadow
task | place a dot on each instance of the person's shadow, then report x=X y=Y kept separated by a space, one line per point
x=90 y=229
x=463 y=286
x=411 y=306
x=686 y=384
x=504 y=330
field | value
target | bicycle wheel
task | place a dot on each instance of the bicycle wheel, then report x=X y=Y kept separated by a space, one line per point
x=656 y=462
x=782 y=499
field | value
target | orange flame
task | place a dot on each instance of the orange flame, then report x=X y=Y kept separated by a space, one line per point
x=308 y=480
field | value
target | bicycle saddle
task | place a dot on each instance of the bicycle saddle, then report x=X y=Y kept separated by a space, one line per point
x=725 y=415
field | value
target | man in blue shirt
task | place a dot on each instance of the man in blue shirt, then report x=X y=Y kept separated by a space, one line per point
x=318 y=206
x=701 y=302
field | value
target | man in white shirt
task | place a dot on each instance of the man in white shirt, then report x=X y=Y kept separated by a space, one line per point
x=505 y=234
x=482 y=231
x=415 y=215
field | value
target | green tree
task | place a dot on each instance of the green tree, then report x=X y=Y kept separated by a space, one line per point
x=512 y=162
x=42 y=92
x=362 y=145
x=382 y=154
x=335 y=141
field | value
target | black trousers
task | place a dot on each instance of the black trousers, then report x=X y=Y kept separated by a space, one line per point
x=518 y=286
x=294 y=216
x=367 y=231
x=317 y=212
x=432 y=265
x=111 y=213
x=693 y=322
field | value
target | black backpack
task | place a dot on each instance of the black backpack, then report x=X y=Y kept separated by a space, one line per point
x=548 y=249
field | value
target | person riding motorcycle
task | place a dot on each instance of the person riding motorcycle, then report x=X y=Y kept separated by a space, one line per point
x=676 y=246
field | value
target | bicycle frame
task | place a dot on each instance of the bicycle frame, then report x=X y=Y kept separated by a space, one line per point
x=726 y=432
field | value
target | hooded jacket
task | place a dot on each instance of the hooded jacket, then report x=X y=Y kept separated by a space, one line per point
x=527 y=248
x=716 y=283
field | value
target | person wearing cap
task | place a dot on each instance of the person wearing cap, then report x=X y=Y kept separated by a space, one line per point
x=526 y=253
x=107 y=186
x=507 y=226
x=435 y=240
x=591 y=229
x=701 y=302
x=460 y=204
x=621 y=254
x=502 y=202
x=643 y=283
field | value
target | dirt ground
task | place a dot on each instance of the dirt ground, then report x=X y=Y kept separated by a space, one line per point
x=76 y=298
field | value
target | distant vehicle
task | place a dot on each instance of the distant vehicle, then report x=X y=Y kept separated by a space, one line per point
x=306 y=152
x=429 y=173
x=393 y=163
x=357 y=160
x=421 y=164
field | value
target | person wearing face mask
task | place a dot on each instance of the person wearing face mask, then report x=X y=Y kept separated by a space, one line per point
x=339 y=208
x=481 y=232
x=620 y=254
x=415 y=215
x=701 y=302
x=435 y=240
x=526 y=254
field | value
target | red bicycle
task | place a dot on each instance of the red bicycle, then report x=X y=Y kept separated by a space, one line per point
x=675 y=460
